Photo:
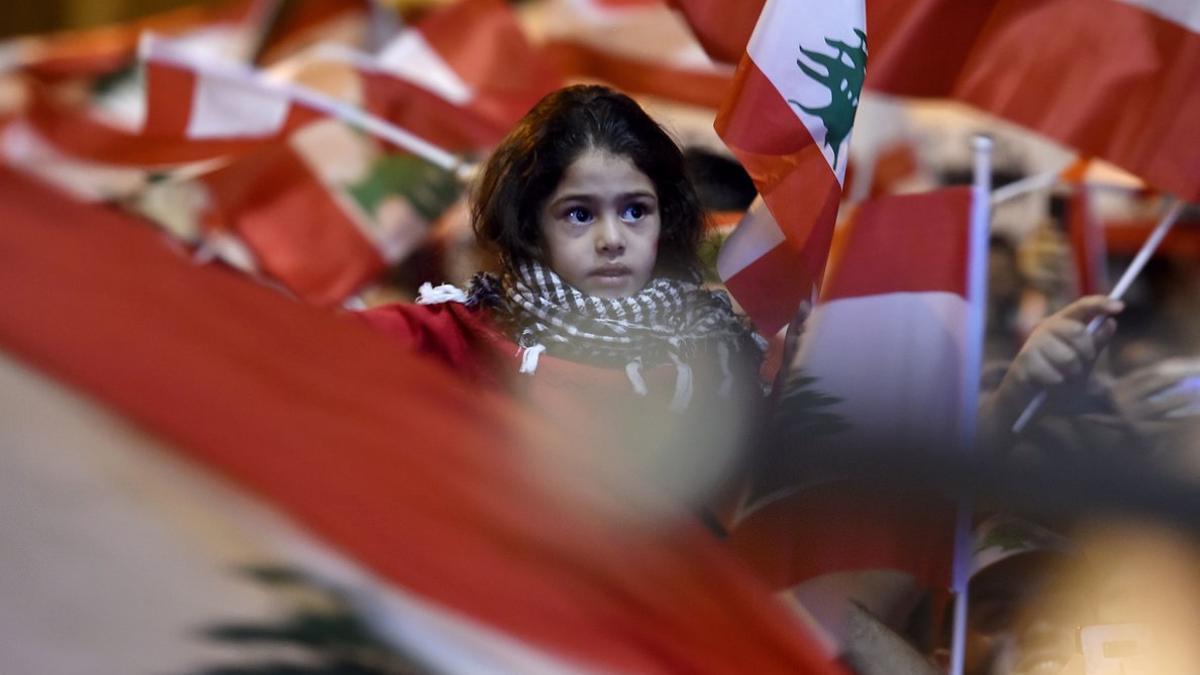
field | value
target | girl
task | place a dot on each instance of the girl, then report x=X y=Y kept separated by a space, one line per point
x=597 y=317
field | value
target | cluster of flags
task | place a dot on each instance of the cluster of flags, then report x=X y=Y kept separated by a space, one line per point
x=331 y=163
x=326 y=167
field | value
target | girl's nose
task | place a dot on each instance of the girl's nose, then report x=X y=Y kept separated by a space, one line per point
x=610 y=239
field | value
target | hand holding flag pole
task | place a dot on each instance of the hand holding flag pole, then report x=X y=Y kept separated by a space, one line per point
x=1123 y=284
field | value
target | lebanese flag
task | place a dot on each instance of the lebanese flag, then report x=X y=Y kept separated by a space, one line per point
x=449 y=496
x=788 y=121
x=884 y=353
x=195 y=111
x=638 y=46
x=461 y=78
x=284 y=203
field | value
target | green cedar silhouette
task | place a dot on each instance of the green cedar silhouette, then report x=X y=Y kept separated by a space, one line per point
x=332 y=638
x=844 y=82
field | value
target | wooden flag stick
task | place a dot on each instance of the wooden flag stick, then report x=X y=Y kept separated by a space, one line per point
x=1131 y=273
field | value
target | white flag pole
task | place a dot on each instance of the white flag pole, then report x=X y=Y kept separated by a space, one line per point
x=1034 y=183
x=158 y=49
x=1143 y=256
x=977 y=259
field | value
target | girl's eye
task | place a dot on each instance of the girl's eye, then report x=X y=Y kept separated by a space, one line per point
x=579 y=215
x=634 y=212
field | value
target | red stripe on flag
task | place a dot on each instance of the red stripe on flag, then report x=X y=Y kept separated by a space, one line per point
x=840 y=527
x=918 y=47
x=297 y=230
x=1105 y=77
x=484 y=44
x=169 y=94
x=771 y=288
x=1087 y=242
x=723 y=27
x=796 y=183
x=427 y=115
x=383 y=455
x=904 y=243
x=696 y=87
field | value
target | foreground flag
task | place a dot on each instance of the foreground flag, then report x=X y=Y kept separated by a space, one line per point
x=883 y=354
x=788 y=121
x=425 y=482
x=638 y=46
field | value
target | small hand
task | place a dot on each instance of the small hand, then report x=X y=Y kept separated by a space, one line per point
x=1060 y=348
x=1153 y=398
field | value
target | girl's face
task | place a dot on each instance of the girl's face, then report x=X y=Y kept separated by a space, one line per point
x=600 y=226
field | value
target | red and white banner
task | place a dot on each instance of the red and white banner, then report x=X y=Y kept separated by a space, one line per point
x=885 y=349
x=641 y=47
x=446 y=493
x=789 y=122
x=1114 y=79
x=460 y=78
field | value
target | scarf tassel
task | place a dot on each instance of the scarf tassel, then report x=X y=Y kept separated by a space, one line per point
x=683 y=385
x=529 y=358
x=633 y=370
x=726 y=389
x=428 y=294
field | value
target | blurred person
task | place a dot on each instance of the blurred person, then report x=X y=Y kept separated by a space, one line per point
x=1006 y=285
x=1161 y=403
x=1022 y=618
x=596 y=317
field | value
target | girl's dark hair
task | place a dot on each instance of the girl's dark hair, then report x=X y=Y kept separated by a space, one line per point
x=526 y=168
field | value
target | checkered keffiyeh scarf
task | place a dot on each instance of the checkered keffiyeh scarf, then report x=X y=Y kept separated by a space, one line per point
x=669 y=321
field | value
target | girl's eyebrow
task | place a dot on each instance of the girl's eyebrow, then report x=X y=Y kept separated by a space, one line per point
x=588 y=197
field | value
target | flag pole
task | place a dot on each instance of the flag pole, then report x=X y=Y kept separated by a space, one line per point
x=977 y=259
x=156 y=48
x=1143 y=256
x=1038 y=181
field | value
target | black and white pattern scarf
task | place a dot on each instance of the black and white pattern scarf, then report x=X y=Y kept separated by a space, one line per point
x=667 y=321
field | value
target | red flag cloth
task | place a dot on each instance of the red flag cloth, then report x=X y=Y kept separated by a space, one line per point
x=293 y=223
x=1086 y=234
x=386 y=457
x=1114 y=79
x=639 y=46
x=722 y=27
x=484 y=44
x=884 y=350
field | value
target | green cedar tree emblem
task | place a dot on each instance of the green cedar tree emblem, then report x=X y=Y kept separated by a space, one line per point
x=843 y=76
